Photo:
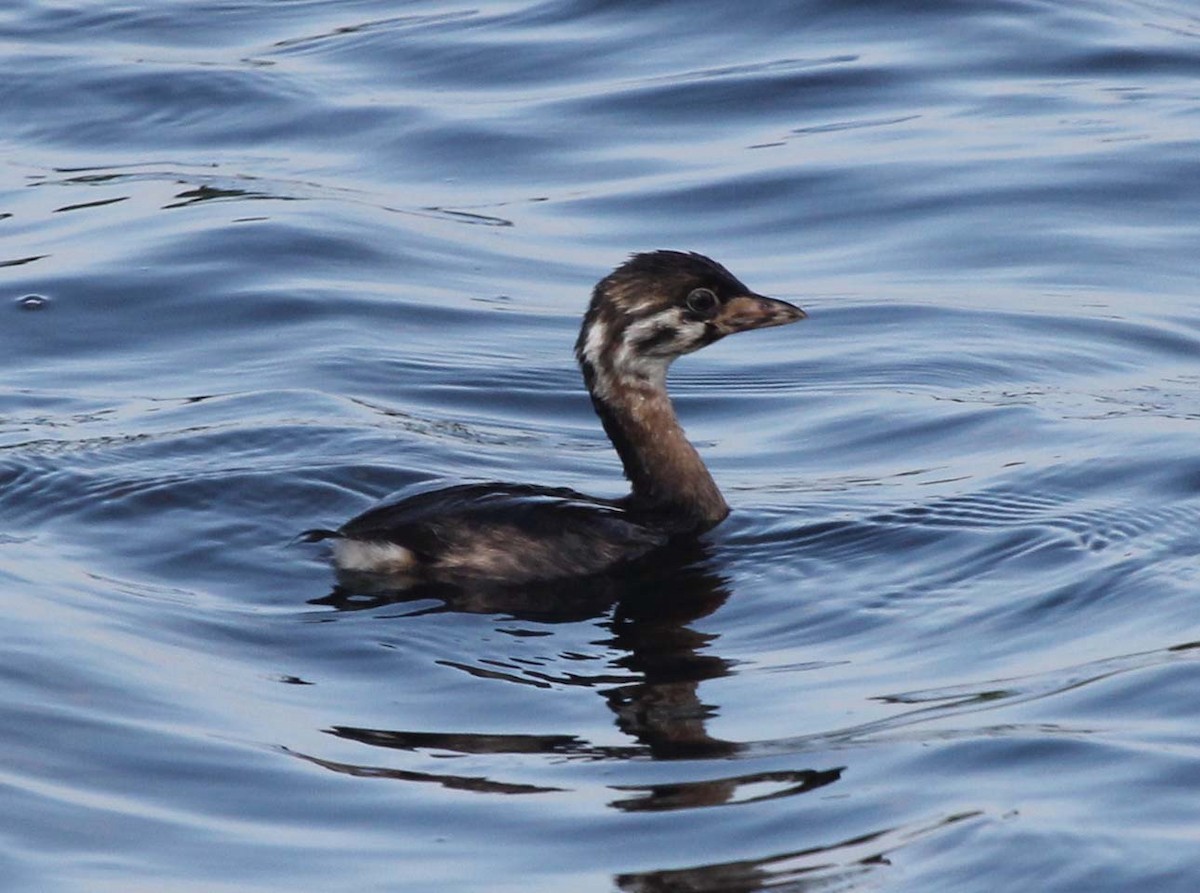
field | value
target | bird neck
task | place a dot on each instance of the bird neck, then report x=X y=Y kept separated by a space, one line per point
x=668 y=476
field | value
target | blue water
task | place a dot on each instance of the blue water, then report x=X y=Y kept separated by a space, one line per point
x=263 y=263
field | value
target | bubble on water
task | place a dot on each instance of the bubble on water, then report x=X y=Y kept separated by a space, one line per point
x=33 y=302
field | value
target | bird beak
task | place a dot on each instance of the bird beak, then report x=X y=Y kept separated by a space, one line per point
x=751 y=311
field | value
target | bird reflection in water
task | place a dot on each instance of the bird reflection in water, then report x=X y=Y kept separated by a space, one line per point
x=648 y=609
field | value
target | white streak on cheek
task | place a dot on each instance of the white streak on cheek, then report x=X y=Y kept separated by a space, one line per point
x=593 y=347
x=643 y=329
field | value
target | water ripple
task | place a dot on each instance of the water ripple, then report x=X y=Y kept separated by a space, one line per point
x=290 y=258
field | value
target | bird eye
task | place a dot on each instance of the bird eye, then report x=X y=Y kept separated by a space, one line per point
x=701 y=300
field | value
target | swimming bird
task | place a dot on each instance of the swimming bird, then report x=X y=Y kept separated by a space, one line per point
x=649 y=311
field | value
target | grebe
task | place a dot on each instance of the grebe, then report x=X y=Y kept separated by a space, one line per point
x=655 y=307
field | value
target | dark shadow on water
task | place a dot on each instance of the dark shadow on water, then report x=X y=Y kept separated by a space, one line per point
x=839 y=865
x=720 y=791
x=451 y=782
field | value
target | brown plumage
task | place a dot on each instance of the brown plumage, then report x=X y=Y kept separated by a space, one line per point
x=649 y=311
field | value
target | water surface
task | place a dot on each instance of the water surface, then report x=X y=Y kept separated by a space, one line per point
x=265 y=263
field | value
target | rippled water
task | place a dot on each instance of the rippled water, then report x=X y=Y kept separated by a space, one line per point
x=263 y=263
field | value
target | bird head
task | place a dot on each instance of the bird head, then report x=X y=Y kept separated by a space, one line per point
x=661 y=305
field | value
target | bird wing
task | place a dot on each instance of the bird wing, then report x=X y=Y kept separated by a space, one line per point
x=519 y=529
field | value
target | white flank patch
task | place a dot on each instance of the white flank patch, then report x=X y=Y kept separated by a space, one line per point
x=372 y=558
